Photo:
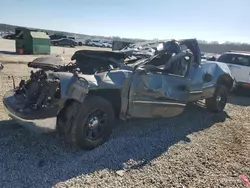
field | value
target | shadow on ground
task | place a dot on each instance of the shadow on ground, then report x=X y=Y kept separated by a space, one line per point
x=29 y=160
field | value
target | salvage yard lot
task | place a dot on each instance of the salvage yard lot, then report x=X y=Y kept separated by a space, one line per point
x=7 y=52
x=195 y=149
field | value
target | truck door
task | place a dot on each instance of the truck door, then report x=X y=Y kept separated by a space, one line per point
x=157 y=94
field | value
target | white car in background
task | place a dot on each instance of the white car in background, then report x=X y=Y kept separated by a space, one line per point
x=96 y=43
x=239 y=64
x=107 y=44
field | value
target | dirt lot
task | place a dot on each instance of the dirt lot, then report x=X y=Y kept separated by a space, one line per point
x=196 y=149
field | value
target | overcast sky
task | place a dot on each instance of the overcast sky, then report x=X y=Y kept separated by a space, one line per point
x=221 y=20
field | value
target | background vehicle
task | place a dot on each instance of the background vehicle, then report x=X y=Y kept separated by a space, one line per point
x=64 y=42
x=96 y=43
x=73 y=38
x=80 y=43
x=11 y=36
x=107 y=44
x=84 y=98
x=57 y=37
x=239 y=64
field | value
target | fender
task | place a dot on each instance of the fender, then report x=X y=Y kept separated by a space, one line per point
x=71 y=86
x=226 y=80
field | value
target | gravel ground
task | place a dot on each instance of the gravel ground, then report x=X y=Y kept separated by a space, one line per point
x=195 y=149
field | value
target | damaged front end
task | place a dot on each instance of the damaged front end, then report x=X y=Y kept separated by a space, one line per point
x=36 y=102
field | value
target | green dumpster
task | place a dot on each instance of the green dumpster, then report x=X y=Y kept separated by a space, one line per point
x=32 y=42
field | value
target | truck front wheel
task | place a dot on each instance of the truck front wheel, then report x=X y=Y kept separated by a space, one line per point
x=218 y=102
x=90 y=124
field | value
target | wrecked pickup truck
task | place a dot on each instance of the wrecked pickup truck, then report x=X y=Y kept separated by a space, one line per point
x=82 y=100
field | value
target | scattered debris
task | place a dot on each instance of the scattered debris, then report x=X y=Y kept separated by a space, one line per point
x=120 y=172
x=132 y=164
x=244 y=178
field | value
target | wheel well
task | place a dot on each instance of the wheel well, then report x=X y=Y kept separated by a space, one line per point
x=225 y=80
x=112 y=95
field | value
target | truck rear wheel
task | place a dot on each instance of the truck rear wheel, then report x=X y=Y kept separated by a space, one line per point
x=90 y=124
x=218 y=102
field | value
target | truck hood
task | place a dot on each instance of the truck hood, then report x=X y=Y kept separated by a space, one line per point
x=81 y=57
x=47 y=63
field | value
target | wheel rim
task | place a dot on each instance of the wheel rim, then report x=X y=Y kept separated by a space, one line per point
x=94 y=125
x=221 y=101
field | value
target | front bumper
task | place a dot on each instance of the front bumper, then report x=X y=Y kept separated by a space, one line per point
x=31 y=120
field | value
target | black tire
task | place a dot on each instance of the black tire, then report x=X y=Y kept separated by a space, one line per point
x=64 y=116
x=77 y=128
x=80 y=43
x=218 y=102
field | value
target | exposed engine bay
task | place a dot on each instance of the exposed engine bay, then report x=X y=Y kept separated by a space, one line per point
x=38 y=91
